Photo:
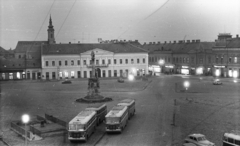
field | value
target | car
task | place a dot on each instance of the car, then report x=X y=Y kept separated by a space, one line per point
x=217 y=82
x=120 y=80
x=198 y=140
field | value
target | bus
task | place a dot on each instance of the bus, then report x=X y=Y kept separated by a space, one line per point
x=130 y=103
x=231 y=139
x=82 y=126
x=101 y=110
x=116 y=119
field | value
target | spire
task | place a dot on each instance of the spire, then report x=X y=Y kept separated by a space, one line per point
x=50 y=22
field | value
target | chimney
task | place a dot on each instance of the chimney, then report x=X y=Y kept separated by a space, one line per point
x=158 y=42
x=153 y=43
x=79 y=42
x=188 y=41
x=174 y=42
x=165 y=42
x=169 y=42
x=150 y=43
x=180 y=41
x=69 y=42
x=237 y=36
x=193 y=41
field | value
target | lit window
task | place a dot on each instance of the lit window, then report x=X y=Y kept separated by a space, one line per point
x=72 y=74
x=66 y=74
x=60 y=74
x=18 y=75
x=235 y=59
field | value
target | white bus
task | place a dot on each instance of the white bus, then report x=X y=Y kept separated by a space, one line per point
x=82 y=126
x=101 y=110
x=116 y=119
x=231 y=139
x=130 y=103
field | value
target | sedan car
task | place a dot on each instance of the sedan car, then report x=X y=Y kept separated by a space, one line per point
x=217 y=82
x=198 y=140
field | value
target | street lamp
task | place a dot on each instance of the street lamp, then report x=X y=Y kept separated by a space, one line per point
x=186 y=84
x=130 y=77
x=161 y=63
x=25 y=120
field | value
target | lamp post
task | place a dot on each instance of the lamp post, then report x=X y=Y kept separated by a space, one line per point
x=25 y=120
x=186 y=84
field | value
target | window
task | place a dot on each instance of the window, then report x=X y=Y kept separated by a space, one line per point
x=143 y=60
x=53 y=63
x=192 y=60
x=187 y=60
x=177 y=60
x=34 y=64
x=66 y=63
x=169 y=59
x=109 y=61
x=103 y=61
x=72 y=62
x=78 y=62
x=120 y=61
x=216 y=59
x=115 y=61
x=230 y=59
x=132 y=61
x=97 y=62
x=235 y=59
x=60 y=63
x=72 y=74
x=53 y=75
x=126 y=61
x=84 y=62
x=46 y=63
x=137 y=60
x=150 y=59
x=209 y=59
x=183 y=59
x=115 y=73
x=221 y=59
x=173 y=59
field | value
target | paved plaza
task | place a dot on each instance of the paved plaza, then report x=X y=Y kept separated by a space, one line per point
x=165 y=111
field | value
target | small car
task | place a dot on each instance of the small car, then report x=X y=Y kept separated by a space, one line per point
x=198 y=140
x=217 y=82
x=120 y=80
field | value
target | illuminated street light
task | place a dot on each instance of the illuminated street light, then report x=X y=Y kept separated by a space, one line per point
x=25 y=120
x=130 y=77
x=161 y=62
x=186 y=84
x=235 y=74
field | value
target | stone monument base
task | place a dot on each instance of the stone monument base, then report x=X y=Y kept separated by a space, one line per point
x=93 y=99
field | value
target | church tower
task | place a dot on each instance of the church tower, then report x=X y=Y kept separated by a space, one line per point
x=51 y=38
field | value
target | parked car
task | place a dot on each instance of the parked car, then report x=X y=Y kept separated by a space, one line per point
x=198 y=140
x=120 y=80
x=217 y=82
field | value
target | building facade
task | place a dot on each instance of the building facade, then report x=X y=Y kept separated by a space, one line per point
x=61 y=61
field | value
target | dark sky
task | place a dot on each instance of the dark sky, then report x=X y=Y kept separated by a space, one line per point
x=143 y=20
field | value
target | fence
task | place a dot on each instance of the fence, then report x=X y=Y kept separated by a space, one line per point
x=35 y=131
x=19 y=130
x=55 y=120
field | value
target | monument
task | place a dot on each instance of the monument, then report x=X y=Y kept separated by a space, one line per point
x=93 y=94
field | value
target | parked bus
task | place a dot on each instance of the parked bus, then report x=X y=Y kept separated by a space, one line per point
x=130 y=103
x=101 y=110
x=82 y=126
x=116 y=119
x=231 y=139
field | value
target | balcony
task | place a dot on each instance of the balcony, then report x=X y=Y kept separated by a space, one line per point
x=97 y=65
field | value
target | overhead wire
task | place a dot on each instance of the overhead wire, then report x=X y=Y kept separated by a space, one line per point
x=144 y=18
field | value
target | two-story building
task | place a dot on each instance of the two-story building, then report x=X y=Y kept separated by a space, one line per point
x=227 y=56
x=112 y=60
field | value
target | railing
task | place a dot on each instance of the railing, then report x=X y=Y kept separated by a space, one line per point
x=35 y=131
x=97 y=65
x=55 y=120
x=19 y=129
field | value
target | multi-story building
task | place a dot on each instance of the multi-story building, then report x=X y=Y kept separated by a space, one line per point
x=226 y=56
x=183 y=57
x=112 y=60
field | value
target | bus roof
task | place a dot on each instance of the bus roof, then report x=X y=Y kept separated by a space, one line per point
x=95 y=106
x=127 y=101
x=117 y=111
x=83 y=117
x=233 y=134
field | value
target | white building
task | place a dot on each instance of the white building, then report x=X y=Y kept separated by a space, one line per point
x=61 y=61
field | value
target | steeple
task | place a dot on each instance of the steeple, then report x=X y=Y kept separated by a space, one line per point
x=51 y=38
